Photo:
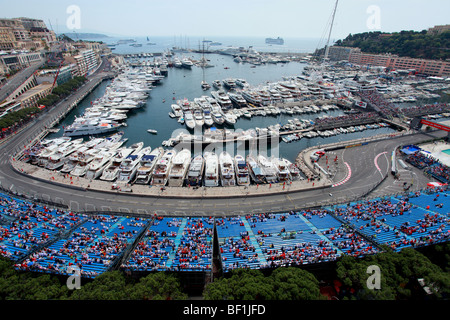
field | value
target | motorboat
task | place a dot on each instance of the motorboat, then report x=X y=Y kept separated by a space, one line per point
x=207 y=116
x=198 y=117
x=180 y=165
x=162 y=168
x=194 y=176
x=128 y=167
x=98 y=164
x=282 y=167
x=241 y=170
x=227 y=176
x=211 y=170
x=189 y=119
x=268 y=168
x=255 y=170
x=146 y=166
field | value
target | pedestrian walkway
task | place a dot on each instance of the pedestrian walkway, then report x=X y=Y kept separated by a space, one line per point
x=254 y=242
x=177 y=242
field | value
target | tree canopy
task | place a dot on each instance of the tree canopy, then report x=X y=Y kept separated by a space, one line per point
x=283 y=284
x=412 y=44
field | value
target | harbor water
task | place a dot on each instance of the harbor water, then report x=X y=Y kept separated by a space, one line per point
x=186 y=84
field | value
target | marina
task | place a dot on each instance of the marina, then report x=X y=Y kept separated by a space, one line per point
x=236 y=134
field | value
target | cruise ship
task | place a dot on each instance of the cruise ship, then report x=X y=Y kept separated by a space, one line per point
x=279 y=41
x=162 y=168
x=227 y=177
x=146 y=166
x=180 y=165
x=211 y=170
x=194 y=176
x=241 y=170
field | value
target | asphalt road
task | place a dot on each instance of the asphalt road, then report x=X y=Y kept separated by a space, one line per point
x=368 y=166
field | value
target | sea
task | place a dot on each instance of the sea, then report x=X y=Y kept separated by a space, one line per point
x=183 y=83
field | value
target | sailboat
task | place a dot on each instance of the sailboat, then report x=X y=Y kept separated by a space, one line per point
x=204 y=64
x=150 y=43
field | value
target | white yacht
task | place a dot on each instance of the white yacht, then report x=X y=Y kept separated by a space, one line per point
x=189 y=119
x=208 y=117
x=111 y=172
x=97 y=166
x=83 y=162
x=90 y=127
x=198 y=117
x=282 y=167
x=128 y=167
x=241 y=170
x=227 y=176
x=162 y=168
x=222 y=98
x=255 y=170
x=146 y=166
x=268 y=169
x=194 y=176
x=211 y=170
x=229 y=118
x=59 y=157
x=180 y=165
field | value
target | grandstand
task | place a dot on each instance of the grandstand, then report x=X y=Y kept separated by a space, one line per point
x=42 y=239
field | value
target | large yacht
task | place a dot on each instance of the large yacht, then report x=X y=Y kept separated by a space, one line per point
x=162 y=168
x=128 y=167
x=180 y=165
x=222 y=98
x=146 y=166
x=268 y=168
x=227 y=177
x=282 y=167
x=252 y=97
x=255 y=170
x=90 y=127
x=59 y=157
x=229 y=83
x=97 y=166
x=195 y=173
x=189 y=119
x=198 y=117
x=211 y=170
x=111 y=172
x=83 y=161
x=238 y=99
x=241 y=170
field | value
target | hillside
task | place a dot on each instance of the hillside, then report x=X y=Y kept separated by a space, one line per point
x=412 y=44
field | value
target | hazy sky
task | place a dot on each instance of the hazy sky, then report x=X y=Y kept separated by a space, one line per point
x=262 y=18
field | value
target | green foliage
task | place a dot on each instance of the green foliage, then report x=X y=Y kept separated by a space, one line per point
x=283 y=284
x=399 y=274
x=405 y=43
x=157 y=286
x=17 y=116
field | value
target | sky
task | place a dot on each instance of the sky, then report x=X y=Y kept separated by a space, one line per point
x=255 y=18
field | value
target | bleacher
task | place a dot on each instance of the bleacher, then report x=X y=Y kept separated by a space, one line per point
x=42 y=239
x=153 y=252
